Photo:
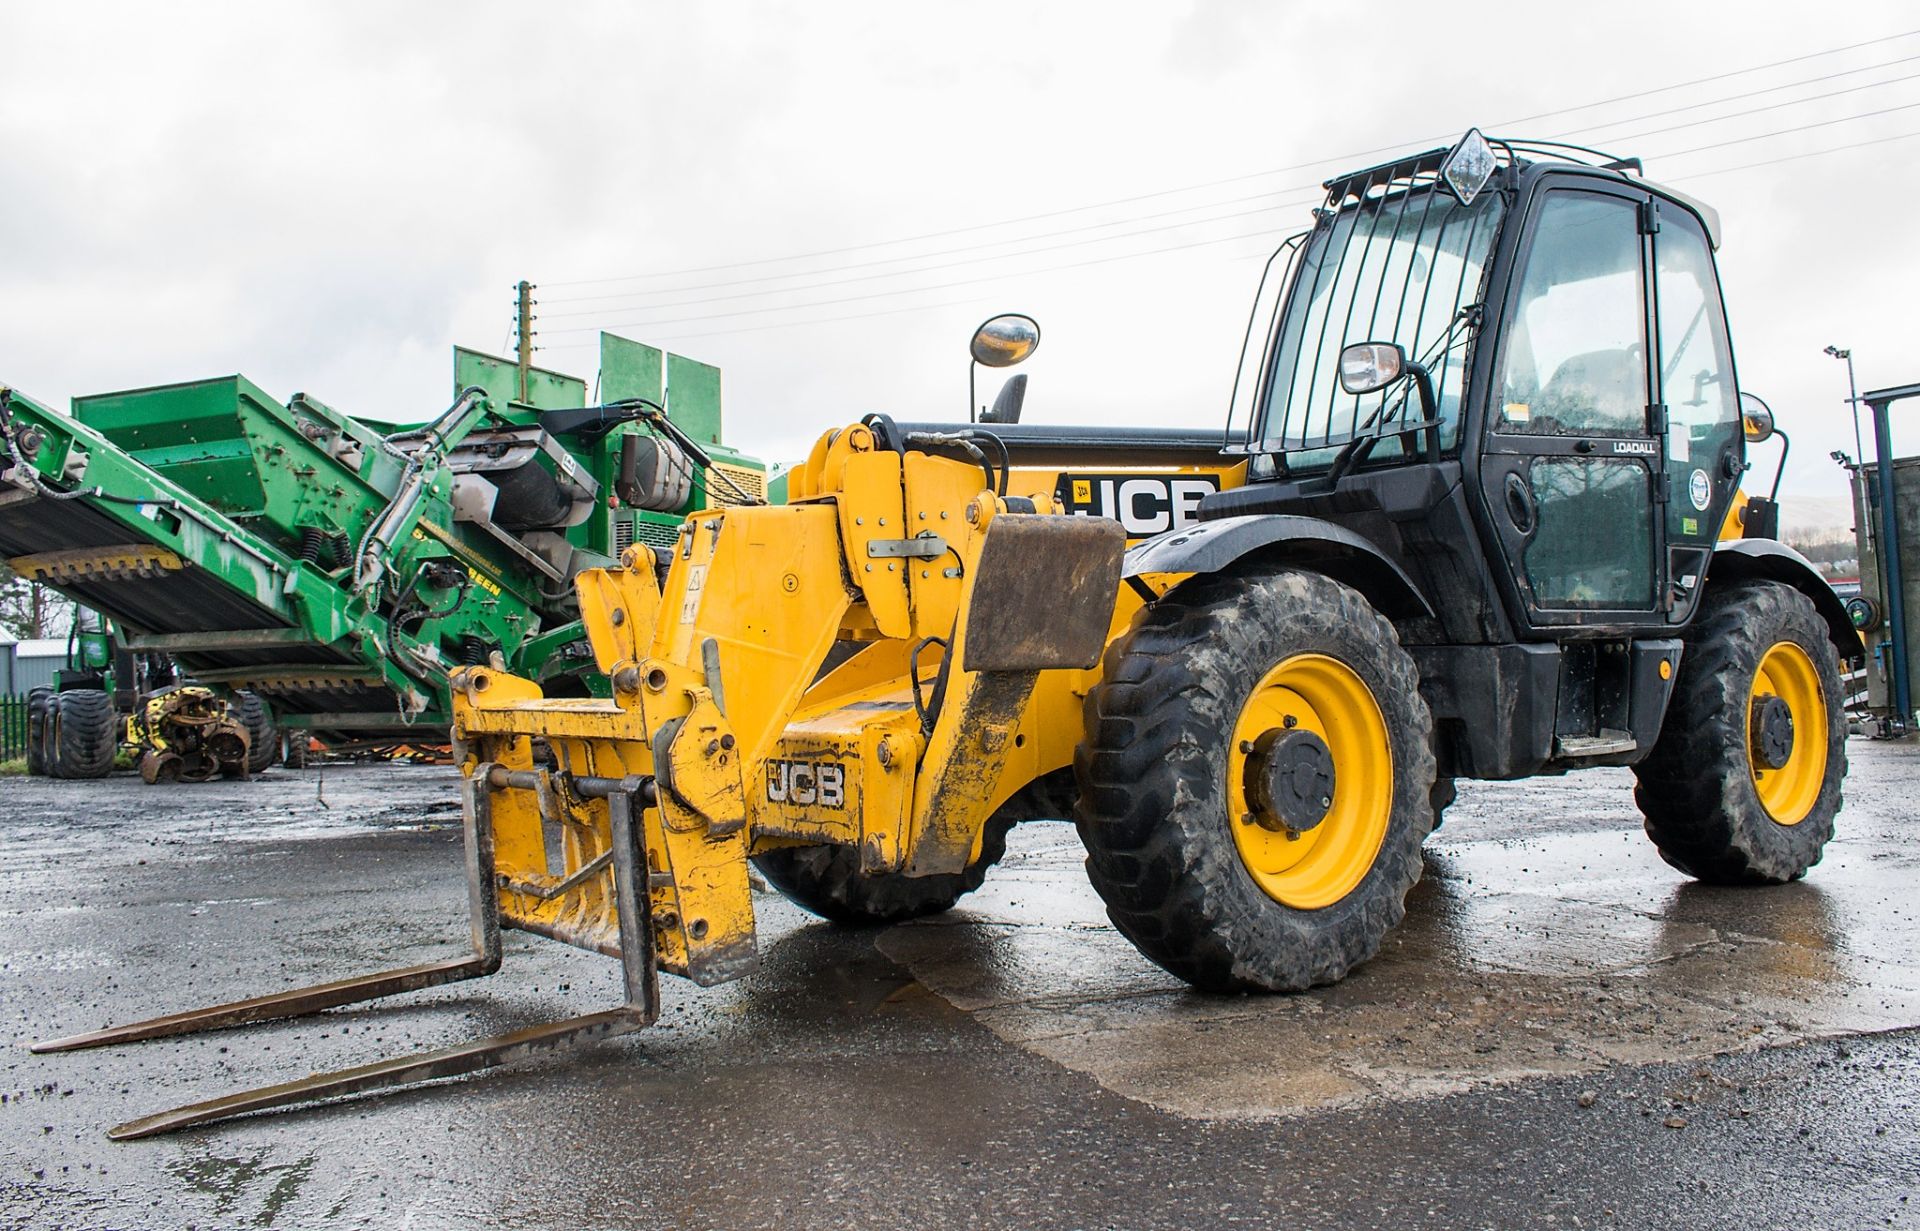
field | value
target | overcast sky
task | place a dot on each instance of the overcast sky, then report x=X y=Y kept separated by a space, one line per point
x=328 y=197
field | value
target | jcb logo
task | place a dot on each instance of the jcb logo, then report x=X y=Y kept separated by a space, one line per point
x=1142 y=504
x=807 y=783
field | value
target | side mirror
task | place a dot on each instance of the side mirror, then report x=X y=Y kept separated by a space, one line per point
x=1005 y=340
x=1756 y=419
x=1001 y=342
x=1367 y=367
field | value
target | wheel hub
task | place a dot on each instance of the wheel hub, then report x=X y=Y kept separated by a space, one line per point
x=1771 y=733
x=1290 y=780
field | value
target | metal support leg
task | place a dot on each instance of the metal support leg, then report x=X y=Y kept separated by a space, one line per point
x=638 y=970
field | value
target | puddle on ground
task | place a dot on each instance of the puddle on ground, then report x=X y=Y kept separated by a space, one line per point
x=1556 y=954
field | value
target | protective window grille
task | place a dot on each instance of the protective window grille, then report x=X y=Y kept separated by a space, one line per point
x=1391 y=258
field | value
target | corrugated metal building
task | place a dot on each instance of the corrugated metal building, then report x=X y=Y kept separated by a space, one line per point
x=26 y=665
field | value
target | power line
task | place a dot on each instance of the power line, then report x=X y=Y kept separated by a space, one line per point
x=895 y=260
x=624 y=298
x=1735 y=115
x=1782 y=132
x=1734 y=98
x=1739 y=72
x=1098 y=239
x=1229 y=180
x=911 y=308
x=824 y=303
x=882 y=294
x=1748 y=166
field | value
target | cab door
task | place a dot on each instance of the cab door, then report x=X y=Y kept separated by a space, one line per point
x=1571 y=463
x=1699 y=396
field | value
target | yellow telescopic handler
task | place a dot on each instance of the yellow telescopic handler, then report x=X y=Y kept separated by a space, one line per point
x=1465 y=523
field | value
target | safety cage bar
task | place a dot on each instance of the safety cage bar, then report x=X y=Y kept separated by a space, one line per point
x=1391 y=224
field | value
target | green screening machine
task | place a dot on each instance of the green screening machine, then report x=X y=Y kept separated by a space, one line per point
x=337 y=570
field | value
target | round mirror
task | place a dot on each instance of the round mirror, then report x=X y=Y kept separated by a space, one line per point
x=1756 y=418
x=1005 y=340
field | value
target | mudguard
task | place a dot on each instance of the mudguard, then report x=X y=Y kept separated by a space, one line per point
x=1210 y=546
x=1768 y=560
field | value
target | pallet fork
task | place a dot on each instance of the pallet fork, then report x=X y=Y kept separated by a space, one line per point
x=725 y=738
x=638 y=969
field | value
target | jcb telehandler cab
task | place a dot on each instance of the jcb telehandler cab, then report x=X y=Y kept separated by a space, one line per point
x=1471 y=527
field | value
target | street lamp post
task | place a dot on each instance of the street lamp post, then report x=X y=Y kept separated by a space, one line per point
x=1853 y=398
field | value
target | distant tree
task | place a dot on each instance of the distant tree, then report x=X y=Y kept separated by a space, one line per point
x=29 y=610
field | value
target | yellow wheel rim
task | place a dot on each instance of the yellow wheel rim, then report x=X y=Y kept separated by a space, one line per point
x=1789 y=791
x=1314 y=867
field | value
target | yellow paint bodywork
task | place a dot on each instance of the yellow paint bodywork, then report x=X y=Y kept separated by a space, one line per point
x=721 y=700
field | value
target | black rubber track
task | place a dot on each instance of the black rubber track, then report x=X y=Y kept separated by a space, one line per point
x=1152 y=772
x=827 y=879
x=86 y=733
x=1696 y=787
x=263 y=740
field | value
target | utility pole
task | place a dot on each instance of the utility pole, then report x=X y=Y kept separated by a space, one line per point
x=523 y=328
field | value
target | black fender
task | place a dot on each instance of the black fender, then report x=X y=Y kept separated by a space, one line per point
x=1768 y=560
x=1210 y=546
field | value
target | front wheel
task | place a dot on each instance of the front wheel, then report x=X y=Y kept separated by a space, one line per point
x=1744 y=783
x=83 y=734
x=1256 y=780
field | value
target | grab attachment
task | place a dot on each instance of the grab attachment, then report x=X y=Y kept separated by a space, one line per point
x=639 y=972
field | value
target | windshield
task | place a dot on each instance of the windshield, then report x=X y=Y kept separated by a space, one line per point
x=1397 y=268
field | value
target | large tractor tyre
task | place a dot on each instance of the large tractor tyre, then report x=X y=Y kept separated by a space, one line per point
x=1744 y=784
x=39 y=719
x=263 y=740
x=827 y=879
x=1256 y=781
x=84 y=734
x=298 y=745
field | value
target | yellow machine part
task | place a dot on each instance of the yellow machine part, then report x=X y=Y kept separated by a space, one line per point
x=1789 y=792
x=918 y=581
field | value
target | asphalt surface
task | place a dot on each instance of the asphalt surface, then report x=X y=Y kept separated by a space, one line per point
x=1563 y=1034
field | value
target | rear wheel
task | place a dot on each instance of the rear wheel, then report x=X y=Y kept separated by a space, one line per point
x=39 y=705
x=1256 y=780
x=84 y=734
x=263 y=740
x=1744 y=783
x=298 y=745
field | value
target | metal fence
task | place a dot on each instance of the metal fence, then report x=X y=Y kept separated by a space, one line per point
x=13 y=727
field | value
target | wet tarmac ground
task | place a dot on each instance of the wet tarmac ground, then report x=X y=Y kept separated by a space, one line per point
x=1564 y=1033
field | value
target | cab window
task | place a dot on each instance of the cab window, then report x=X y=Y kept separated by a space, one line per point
x=1696 y=370
x=1575 y=362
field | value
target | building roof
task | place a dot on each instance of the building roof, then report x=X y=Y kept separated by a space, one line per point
x=37 y=647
